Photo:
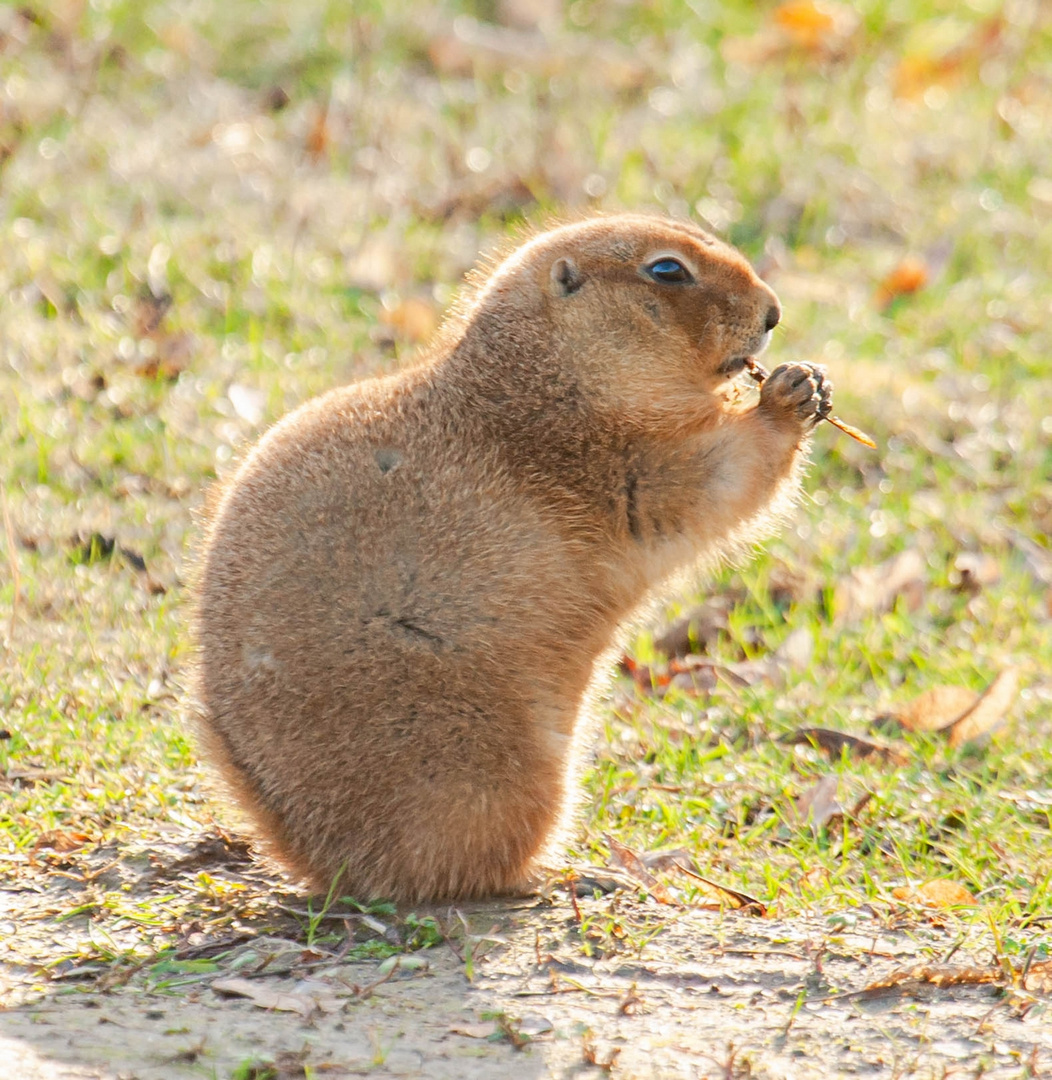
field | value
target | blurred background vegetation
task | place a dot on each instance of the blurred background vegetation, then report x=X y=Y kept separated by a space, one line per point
x=212 y=210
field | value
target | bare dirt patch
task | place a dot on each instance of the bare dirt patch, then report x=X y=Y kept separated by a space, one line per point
x=613 y=983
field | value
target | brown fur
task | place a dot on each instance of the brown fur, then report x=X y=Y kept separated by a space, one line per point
x=410 y=587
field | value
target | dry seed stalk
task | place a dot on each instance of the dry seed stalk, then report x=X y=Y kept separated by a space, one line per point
x=758 y=373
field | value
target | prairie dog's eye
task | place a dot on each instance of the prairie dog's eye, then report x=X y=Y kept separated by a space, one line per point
x=669 y=271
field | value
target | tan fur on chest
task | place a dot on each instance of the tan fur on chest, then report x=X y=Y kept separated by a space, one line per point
x=409 y=588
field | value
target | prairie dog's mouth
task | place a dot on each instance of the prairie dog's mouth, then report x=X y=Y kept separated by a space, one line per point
x=733 y=365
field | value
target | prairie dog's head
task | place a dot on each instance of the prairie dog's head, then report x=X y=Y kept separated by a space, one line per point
x=643 y=308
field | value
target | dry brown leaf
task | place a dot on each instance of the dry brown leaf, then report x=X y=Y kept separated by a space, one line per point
x=936 y=975
x=797 y=649
x=919 y=70
x=318 y=135
x=908 y=277
x=628 y=860
x=265 y=997
x=695 y=631
x=694 y=674
x=874 y=589
x=149 y=312
x=916 y=73
x=974 y=570
x=818 y=805
x=835 y=743
x=989 y=711
x=741 y=899
x=171 y=356
x=806 y=22
x=819 y=27
x=935 y=709
x=938 y=893
x=667 y=859
x=1038 y=978
x=62 y=842
x=24 y=777
x=475 y=1031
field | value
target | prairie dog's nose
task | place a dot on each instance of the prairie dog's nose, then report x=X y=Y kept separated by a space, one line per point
x=774 y=314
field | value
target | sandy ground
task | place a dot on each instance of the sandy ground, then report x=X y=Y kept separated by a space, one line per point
x=710 y=995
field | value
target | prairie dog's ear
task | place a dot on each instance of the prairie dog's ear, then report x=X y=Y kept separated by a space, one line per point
x=566 y=277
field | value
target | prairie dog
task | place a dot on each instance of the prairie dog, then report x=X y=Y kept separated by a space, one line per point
x=410 y=588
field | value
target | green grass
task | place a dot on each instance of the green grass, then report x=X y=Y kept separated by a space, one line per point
x=143 y=156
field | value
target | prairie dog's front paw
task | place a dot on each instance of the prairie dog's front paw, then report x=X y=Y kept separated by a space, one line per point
x=799 y=392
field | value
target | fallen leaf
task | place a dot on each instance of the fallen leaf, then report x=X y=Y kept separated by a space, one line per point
x=819 y=27
x=649 y=678
x=936 y=709
x=932 y=63
x=667 y=859
x=908 y=277
x=938 y=893
x=25 y=777
x=591 y=1055
x=320 y=993
x=265 y=997
x=818 y=805
x=403 y=963
x=475 y=1031
x=149 y=312
x=875 y=589
x=695 y=631
x=936 y=975
x=835 y=743
x=697 y=677
x=974 y=570
x=170 y=357
x=808 y=23
x=742 y=900
x=797 y=649
x=1038 y=977
x=789 y=585
x=471 y=199
x=62 y=842
x=625 y=857
x=989 y=711
x=694 y=674
x=318 y=135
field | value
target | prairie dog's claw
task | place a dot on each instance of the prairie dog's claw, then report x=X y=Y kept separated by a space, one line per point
x=803 y=391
